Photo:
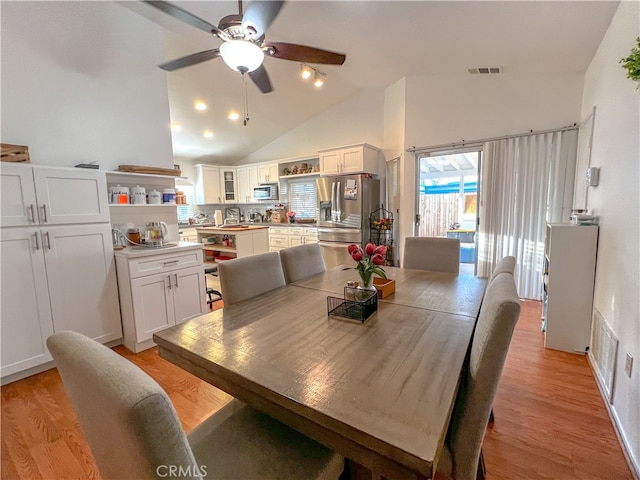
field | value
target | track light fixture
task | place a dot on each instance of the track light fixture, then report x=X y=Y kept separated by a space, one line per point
x=306 y=72
x=319 y=79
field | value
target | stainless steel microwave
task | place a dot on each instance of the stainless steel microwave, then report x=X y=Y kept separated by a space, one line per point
x=265 y=192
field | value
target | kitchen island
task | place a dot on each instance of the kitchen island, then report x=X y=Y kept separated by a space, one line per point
x=233 y=241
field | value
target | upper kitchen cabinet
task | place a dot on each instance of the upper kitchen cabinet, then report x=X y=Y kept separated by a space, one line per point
x=33 y=195
x=207 y=184
x=215 y=184
x=268 y=173
x=247 y=179
x=229 y=186
x=362 y=158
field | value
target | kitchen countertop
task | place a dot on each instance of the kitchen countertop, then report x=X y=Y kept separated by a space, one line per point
x=174 y=247
x=235 y=228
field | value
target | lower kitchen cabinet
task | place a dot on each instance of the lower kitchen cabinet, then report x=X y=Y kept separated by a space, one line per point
x=284 y=237
x=53 y=279
x=158 y=291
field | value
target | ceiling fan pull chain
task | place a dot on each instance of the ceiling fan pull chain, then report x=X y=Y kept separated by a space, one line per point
x=246 y=100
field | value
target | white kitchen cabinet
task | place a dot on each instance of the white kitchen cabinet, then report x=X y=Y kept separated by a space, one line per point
x=207 y=185
x=268 y=173
x=57 y=262
x=285 y=237
x=157 y=290
x=247 y=179
x=362 y=158
x=34 y=195
x=55 y=278
x=188 y=234
x=570 y=262
x=239 y=243
x=229 y=186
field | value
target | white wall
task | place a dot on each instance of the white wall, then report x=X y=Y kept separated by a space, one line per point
x=446 y=109
x=616 y=202
x=80 y=84
x=356 y=120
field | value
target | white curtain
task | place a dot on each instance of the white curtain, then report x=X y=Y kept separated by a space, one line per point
x=526 y=182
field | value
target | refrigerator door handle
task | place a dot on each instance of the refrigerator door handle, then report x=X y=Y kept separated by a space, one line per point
x=333 y=205
x=338 y=209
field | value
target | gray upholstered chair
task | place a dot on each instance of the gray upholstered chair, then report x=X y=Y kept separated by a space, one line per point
x=301 y=261
x=247 y=277
x=432 y=253
x=506 y=265
x=462 y=456
x=134 y=432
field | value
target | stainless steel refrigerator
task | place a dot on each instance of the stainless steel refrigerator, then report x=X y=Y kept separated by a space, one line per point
x=344 y=206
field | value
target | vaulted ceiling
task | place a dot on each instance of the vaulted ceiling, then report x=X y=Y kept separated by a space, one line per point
x=383 y=41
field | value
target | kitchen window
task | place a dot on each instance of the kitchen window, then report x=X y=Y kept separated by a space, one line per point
x=302 y=198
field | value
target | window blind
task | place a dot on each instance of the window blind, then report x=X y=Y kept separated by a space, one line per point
x=303 y=199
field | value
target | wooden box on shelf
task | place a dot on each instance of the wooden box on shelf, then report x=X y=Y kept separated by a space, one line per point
x=384 y=286
x=14 y=153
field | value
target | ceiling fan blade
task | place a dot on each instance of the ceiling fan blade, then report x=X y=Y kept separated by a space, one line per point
x=183 y=15
x=259 y=15
x=189 y=60
x=261 y=79
x=302 y=53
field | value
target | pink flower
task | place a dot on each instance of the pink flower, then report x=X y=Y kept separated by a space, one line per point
x=377 y=259
x=352 y=248
x=357 y=255
x=381 y=250
x=370 y=248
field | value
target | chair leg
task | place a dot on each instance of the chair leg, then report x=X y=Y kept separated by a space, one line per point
x=482 y=472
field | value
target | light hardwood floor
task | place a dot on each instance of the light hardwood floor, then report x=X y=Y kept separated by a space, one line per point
x=551 y=422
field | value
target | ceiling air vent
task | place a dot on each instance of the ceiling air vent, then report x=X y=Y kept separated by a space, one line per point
x=484 y=70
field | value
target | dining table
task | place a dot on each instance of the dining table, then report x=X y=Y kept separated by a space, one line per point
x=380 y=392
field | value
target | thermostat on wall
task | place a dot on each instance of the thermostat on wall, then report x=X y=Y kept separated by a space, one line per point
x=592 y=177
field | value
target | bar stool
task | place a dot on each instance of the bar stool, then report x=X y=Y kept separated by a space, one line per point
x=213 y=271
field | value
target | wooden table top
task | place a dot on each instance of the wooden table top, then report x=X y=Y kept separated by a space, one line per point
x=442 y=292
x=380 y=393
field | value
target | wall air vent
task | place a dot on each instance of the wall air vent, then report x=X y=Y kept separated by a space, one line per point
x=604 y=348
x=484 y=70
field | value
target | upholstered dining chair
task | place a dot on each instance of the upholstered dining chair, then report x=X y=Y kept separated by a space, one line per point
x=462 y=455
x=506 y=265
x=247 y=277
x=134 y=432
x=432 y=253
x=301 y=261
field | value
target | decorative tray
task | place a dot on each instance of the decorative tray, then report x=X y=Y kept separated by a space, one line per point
x=357 y=304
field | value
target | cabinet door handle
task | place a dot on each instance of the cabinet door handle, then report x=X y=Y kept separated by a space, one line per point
x=176 y=276
x=46 y=234
x=44 y=213
x=35 y=238
x=171 y=262
x=32 y=214
x=165 y=281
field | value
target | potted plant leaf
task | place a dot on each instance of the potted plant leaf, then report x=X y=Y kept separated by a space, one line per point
x=632 y=63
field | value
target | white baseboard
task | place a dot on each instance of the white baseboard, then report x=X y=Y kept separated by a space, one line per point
x=634 y=465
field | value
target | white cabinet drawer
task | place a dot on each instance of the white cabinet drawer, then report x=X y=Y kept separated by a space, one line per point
x=281 y=241
x=279 y=230
x=164 y=263
x=311 y=232
x=293 y=231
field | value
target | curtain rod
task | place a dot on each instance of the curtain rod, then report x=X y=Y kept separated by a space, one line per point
x=479 y=142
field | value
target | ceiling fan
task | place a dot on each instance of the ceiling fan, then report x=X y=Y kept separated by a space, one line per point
x=244 y=46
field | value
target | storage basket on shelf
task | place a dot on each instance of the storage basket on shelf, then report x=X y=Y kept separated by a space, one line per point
x=381 y=231
x=14 y=153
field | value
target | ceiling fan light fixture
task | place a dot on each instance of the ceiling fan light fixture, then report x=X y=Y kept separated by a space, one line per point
x=241 y=55
x=305 y=71
x=319 y=80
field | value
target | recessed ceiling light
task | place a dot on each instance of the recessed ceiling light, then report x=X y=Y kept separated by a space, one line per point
x=207 y=134
x=234 y=116
x=200 y=106
x=176 y=127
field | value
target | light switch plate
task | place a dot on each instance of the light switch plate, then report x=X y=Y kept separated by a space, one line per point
x=628 y=364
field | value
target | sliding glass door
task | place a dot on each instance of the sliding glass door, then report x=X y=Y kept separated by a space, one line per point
x=447 y=200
